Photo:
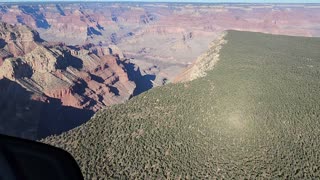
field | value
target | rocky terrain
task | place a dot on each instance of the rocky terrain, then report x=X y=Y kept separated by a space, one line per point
x=204 y=63
x=254 y=115
x=161 y=38
x=84 y=77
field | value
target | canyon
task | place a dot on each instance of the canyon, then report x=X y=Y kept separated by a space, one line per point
x=82 y=77
x=162 y=39
x=62 y=62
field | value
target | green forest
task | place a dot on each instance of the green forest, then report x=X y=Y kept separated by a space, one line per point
x=256 y=115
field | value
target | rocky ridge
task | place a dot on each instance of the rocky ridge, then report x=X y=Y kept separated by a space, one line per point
x=60 y=72
x=83 y=77
x=204 y=63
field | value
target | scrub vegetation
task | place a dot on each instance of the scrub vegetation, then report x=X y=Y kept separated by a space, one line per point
x=255 y=115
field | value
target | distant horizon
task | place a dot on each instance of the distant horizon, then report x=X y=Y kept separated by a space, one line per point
x=177 y=1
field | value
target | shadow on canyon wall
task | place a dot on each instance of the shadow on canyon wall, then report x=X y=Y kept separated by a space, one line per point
x=21 y=116
x=34 y=12
x=143 y=82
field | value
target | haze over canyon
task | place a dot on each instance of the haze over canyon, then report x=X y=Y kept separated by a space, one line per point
x=61 y=62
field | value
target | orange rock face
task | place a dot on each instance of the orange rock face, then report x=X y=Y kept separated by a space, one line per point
x=168 y=36
x=78 y=77
x=104 y=22
x=48 y=88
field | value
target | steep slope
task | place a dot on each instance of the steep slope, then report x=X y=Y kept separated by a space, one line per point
x=16 y=40
x=204 y=63
x=62 y=72
x=83 y=77
x=254 y=116
x=33 y=116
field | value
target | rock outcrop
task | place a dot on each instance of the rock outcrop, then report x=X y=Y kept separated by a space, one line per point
x=204 y=63
x=79 y=77
x=82 y=77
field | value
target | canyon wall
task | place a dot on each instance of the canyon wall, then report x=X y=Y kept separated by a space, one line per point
x=161 y=38
x=83 y=77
